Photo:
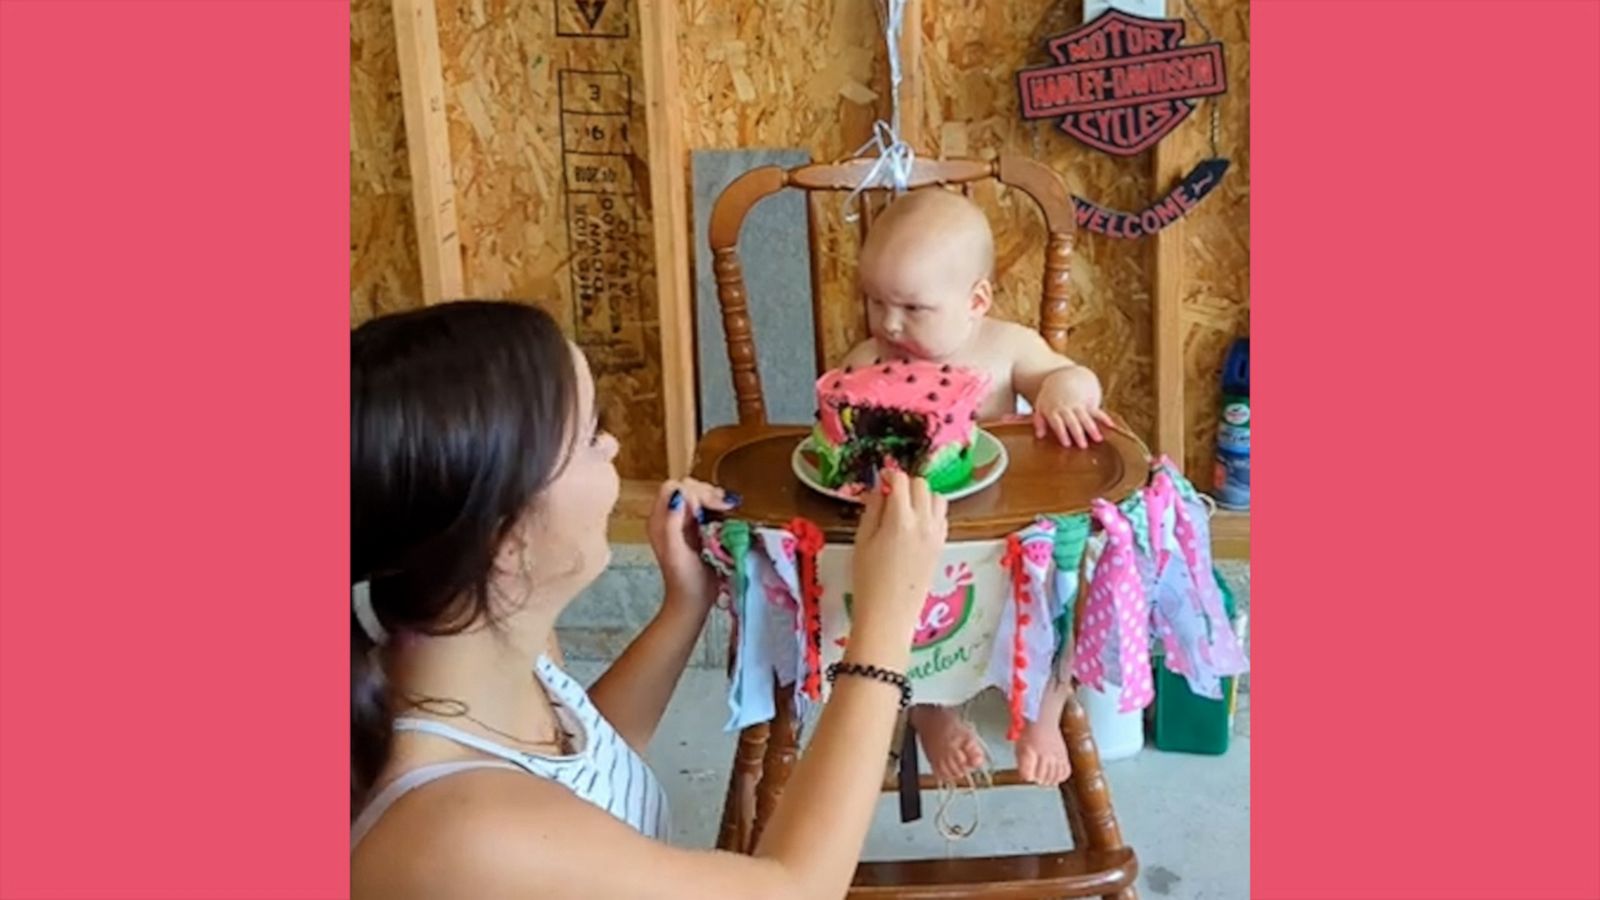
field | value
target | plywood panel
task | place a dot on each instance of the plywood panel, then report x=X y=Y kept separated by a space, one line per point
x=751 y=80
x=384 y=273
x=1216 y=283
x=547 y=131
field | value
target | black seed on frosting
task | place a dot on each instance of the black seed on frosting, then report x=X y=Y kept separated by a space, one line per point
x=944 y=382
x=932 y=397
x=878 y=361
x=974 y=415
x=837 y=385
x=888 y=369
x=945 y=368
x=948 y=418
x=905 y=361
x=911 y=379
x=849 y=369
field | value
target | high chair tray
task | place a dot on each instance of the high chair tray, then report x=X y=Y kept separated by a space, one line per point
x=1042 y=478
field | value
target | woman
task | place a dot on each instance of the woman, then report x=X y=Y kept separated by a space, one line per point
x=481 y=483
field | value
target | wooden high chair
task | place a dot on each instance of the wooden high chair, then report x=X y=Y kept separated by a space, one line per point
x=1100 y=864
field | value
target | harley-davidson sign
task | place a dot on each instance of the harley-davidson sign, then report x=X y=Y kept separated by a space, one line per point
x=1122 y=82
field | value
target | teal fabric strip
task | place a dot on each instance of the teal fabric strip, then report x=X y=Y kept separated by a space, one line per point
x=1072 y=536
x=736 y=540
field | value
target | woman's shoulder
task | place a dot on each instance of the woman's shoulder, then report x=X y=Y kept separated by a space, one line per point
x=496 y=833
x=436 y=840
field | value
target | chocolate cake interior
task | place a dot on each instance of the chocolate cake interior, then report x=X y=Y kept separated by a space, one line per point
x=875 y=434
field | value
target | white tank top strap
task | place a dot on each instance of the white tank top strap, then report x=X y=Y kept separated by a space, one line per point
x=408 y=782
x=464 y=738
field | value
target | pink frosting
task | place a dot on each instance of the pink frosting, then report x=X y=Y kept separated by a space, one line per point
x=949 y=396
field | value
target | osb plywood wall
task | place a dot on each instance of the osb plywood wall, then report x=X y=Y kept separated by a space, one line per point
x=970 y=59
x=546 y=133
x=1216 y=276
x=547 y=136
x=764 y=73
x=750 y=80
x=384 y=274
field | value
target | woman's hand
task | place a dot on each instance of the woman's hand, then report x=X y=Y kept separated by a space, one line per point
x=674 y=531
x=898 y=545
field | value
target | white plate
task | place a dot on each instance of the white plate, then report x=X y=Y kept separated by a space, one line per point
x=986 y=451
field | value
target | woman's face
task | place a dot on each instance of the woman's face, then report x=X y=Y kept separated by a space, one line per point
x=566 y=531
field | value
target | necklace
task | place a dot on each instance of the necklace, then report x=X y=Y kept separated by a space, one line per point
x=451 y=708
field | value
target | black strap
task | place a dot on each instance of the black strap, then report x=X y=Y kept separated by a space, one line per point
x=910 y=791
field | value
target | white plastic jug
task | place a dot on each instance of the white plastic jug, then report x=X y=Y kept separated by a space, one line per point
x=1118 y=735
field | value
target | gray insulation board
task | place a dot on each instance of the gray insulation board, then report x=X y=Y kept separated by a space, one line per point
x=774 y=250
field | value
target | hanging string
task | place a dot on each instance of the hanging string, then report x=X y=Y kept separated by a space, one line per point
x=1216 y=102
x=892 y=168
x=949 y=792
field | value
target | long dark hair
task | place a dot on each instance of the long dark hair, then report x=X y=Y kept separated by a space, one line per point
x=460 y=415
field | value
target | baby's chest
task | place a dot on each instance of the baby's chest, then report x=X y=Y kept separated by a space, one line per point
x=1001 y=400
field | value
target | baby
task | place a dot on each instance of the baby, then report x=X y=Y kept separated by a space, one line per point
x=925 y=270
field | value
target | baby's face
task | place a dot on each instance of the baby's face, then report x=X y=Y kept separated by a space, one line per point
x=918 y=314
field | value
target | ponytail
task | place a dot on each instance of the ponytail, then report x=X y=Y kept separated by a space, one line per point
x=371 y=717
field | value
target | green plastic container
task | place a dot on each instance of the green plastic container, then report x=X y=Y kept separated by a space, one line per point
x=1186 y=722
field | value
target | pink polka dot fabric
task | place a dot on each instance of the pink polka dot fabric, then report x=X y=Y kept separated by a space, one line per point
x=1160 y=498
x=1115 y=631
x=1222 y=651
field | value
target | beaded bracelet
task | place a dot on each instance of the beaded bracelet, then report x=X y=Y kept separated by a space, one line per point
x=883 y=675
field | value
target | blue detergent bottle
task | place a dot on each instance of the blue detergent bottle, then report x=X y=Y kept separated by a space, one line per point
x=1231 y=483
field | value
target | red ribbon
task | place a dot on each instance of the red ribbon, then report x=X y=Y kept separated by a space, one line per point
x=808 y=543
x=1012 y=560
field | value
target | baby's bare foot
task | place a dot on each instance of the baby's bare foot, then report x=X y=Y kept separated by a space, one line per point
x=952 y=747
x=1042 y=754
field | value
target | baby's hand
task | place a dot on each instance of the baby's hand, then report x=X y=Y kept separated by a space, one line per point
x=1069 y=405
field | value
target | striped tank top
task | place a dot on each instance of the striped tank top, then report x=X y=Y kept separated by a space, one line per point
x=603 y=770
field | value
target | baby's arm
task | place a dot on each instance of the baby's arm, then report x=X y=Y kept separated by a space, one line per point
x=1064 y=395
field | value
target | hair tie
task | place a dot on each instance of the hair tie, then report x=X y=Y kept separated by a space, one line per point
x=361 y=602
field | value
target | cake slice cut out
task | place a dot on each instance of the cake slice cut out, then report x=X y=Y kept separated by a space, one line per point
x=919 y=417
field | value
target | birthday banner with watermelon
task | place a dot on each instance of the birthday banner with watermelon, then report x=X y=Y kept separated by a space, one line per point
x=1077 y=596
x=955 y=634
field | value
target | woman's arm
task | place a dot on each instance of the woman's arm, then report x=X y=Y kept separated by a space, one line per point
x=634 y=691
x=809 y=850
x=521 y=837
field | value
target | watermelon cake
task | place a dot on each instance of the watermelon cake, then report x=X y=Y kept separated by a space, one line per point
x=918 y=416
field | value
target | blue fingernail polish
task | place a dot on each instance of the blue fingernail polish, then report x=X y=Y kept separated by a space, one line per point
x=700 y=515
x=872 y=478
x=732 y=498
x=675 y=501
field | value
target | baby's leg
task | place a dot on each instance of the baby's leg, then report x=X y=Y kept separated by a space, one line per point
x=951 y=745
x=1041 y=752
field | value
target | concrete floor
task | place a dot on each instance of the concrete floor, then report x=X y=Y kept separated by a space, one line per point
x=1188 y=817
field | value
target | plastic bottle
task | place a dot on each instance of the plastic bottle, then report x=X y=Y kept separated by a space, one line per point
x=1231 y=483
x=1117 y=734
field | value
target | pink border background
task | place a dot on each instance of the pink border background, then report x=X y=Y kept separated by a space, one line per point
x=173 y=434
